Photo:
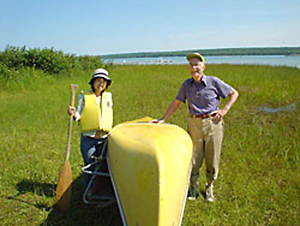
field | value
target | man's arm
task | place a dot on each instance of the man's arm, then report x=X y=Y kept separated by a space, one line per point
x=172 y=108
x=233 y=95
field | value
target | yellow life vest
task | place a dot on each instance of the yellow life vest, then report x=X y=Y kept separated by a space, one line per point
x=92 y=117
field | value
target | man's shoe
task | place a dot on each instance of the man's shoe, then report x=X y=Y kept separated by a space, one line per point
x=193 y=192
x=209 y=196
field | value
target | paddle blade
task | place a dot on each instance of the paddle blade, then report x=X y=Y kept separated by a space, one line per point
x=64 y=188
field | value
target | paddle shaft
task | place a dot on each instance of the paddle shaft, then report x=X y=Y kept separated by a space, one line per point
x=73 y=89
x=63 y=190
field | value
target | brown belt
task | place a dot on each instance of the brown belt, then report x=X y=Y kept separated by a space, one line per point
x=203 y=116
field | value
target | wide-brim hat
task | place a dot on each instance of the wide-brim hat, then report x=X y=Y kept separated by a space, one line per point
x=195 y=55
x=100 y=73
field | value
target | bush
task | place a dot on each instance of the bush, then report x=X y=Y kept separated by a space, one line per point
x=47 y=60
x=90 y=62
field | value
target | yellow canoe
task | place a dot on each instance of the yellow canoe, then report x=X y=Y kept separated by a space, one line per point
x=150 y=169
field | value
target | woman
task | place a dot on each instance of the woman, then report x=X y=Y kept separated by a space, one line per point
x=95 y=114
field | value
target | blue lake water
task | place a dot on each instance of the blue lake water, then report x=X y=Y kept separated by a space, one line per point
x=275 y=60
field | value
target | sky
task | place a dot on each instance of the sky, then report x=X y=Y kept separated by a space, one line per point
x=99 y=27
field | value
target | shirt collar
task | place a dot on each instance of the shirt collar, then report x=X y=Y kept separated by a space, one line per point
x=203 y=79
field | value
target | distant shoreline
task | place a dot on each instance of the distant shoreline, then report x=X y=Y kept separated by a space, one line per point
x=272 y=60
x=286 y=51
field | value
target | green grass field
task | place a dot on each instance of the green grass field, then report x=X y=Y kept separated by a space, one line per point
x=259 y=180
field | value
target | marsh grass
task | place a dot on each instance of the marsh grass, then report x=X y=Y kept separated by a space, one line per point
x=259 y=182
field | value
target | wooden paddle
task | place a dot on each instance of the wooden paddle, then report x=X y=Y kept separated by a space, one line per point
x=64 y=184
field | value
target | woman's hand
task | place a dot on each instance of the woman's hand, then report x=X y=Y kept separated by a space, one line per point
x=72 y=111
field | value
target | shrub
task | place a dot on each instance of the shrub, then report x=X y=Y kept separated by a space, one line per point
x=48 y=60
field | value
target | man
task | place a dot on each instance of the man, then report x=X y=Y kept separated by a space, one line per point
x=205 y=126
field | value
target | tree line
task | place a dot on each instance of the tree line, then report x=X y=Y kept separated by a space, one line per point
x=48 y=60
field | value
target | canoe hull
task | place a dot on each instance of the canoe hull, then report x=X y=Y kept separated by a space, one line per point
x=150 y=168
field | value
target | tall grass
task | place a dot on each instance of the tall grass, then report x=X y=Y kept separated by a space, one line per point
x=259 y=181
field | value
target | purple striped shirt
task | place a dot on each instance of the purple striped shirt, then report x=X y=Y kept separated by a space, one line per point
x=203 y=97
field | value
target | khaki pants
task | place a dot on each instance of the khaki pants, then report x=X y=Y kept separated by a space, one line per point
x=207 y=139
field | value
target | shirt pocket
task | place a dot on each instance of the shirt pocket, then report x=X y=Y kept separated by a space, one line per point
x=209 y=95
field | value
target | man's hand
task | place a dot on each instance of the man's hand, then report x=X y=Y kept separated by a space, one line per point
x=157 y=121
x=220 y=114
